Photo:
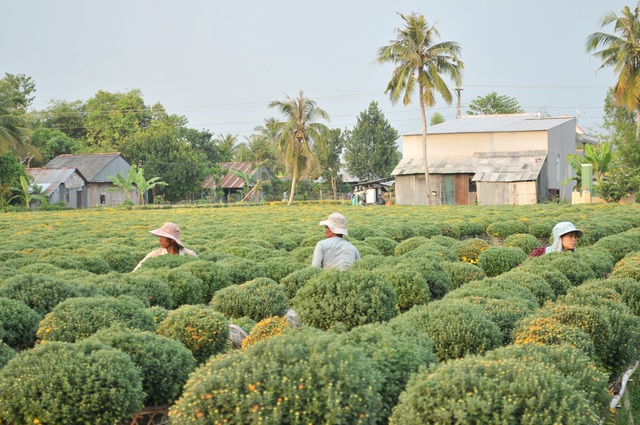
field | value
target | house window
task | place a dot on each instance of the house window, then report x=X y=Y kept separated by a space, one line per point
x=103 y=198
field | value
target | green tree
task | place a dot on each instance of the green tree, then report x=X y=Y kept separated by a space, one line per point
x=297 y=135
x=329 y=158
x=226 y=144
x=67 y=117
x=11 y=170
x=370 y=148
x=16 y=92
x=436 y=119
x=420 y=64
x=12 y=129
x=492 y=104
x=52 y=143
x=621 y=50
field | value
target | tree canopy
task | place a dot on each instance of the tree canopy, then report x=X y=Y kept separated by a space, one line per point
x=493 y=104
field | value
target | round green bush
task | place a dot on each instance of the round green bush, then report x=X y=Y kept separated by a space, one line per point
x=449 y=230
x=524 y=241
x=303 y=254
x=470 y=228
x=296 y=280
x=598 y=259
x=492 y=288
x=386 y=246
x=469 y=250
x=558 y=282
x=245 y=323
x=446 y=241
x=409 y=283
x=428 y=230
x=534 y=283
x=409 y=245
x=166 y=262
x=629 y=290
x=258 y=299
x=243 y=270
x=576 y=270
x=433 y=271
x=360 y=233
x=395 y=356
x=305 y=376
x=39 y=292
x=280 y=242
x=6 y=354
x=213 y=276
x=185 y=287
x=144 y=286
x=277 y=268
x=619 y=245
x=431 y=250
x=158 y=313
x=461 y=273
x=366 y=250
x=457 y=328
x=541 y=229
x=202 y=330
x=19 y=322
x=87 y=382
x=351 y=298
x=40 y=268
x=94 y=263
x=475 y=390
x=629 y=267
x=165 y=364
x=266 y=328
x=545 y=331
x=79 y=318
x=500 y=259
x=119 y=260
x=502 y=229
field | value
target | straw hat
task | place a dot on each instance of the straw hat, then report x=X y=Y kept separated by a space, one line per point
x=169 y=230
x=337 y=223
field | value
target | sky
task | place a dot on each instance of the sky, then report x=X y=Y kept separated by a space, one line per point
x=220 y=63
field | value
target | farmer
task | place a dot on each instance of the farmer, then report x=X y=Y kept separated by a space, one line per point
x=169 y=238
x=334 y=252
x=565 y=238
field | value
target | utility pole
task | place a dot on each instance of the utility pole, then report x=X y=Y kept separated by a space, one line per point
x=458 y=90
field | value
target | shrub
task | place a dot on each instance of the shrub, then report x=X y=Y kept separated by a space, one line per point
x=201 y=329
x=93 y=383
x=386 y=246
x=558 y=281
x=536 y=284
x=500 y=259
x=629 y=290
x=492 y=288
x=629 y=267
x=119 y=260
x=428 y=230
x=258 y=299
x=213 y=276
x=245 y=323
x=540 y=229
x=598 y=259
x=244 y=270
x=360 y=232
x=94 y=263
x=326 y=381
x=477 y=390
x=166 y=262
x=164 y=364
x=40 y=268
x=396 y=357
x=446 y=241
x=470 y=228
x=39 y=292
x=576 y=270
x=469 y=249
x=432 y=250
x=158 y=313
x=303 y=254
x=351 y=298
x=409 y=245
x=461 y=273
x=366 y=250
x=149 y=287
x=278 y=267
x=449 y=230
x=19 y=322
x=502 y=229
x=619 y=245
x=185 y=287
x=409 y=283
x=6 y=354
x=78 y=318
x=294 y=281
x=437 y=278
x=266 y=328
x=524 y=241
x=280 y=242
x=551 y=331
x=456 y=328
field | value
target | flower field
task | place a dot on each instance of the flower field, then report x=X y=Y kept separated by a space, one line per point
x=444 y=320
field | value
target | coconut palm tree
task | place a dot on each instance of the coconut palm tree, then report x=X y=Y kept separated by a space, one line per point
x=297 y=135
x=621 y=50
x=420 y=64
x=12 y=128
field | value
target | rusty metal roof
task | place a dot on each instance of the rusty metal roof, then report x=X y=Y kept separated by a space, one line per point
x=489 y=166
x=89 y=164
x=229 y=180
x=50 y=178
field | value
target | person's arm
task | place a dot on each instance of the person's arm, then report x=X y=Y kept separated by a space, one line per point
x=318 y=256
x=146 y=257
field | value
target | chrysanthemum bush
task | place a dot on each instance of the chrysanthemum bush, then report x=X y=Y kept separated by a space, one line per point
x=39 y=292
x=493 y=288
x=184 y=286
x=433 y=271
x=502 y=229
x=385 y=245
x=164 y=363
x=534 y=283
x=461 y=273
x=18 y=322
x=351 y=298
x=598 y=259
x=266 y=328
x=468 y=250
x=457 y=328
x=78 y=318
x=409 y=283
x=64 y=383
x=6 y=354
x=214 y=277
x=144 y=286
x=294 y=281
x=629 y=290
x=258 y=299
x=410 y=244
x=524 y=241
x=500 y=259
x=304 y=376
x=629 y=267
x=575 y=269
x=202 y=330
x=559 y=282
x=277 y=268
x=619 y=245
x=243 y=270
x=549 y=331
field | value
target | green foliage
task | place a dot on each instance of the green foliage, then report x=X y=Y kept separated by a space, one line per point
x=619 y=245
x=449 y=230
x=158 y=313
x=538 y=286
x=550 y=331
x=385 y=245
x=629 y=290
x=294 y=281
x=201 y=329
x=79 y=318
x=370 y=148
x=245 y=323
x=213 y=276
x=541 y=229
x=266 y=328
x=185 y=287
x=428 y=230
x=457 y=328
x=434 y=273
x=409 y=283
x=6 y=354
x=492 y=288
x=469 y=250
x=327 y=380
x=350 y=298
x=598 y=259
x=18 y=322
x=559 y=282
x=144 y=286
x=502 y=229
x=629 y=267
x=461 y=273
x=93 y=383
x=244 y=270
x=39 y=292
x=277 y=268
x=409 y=245
x=493 y=104
x=500 y=259
x=576 y=270
x=166 y=262
x=500 y=390
x=303 y=254
x=258 y=299
x=164 y=364
x=524 y=241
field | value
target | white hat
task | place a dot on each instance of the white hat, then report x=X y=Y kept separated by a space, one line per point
x=337 y=223
x=168 y=230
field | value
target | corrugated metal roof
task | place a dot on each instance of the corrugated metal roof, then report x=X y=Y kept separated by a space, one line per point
x=496 y=124
x=49 y=179
x=229 y=180
x=89 y=165
x=493 y=167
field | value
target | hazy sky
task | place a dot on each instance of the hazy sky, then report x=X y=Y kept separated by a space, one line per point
x=220 y=63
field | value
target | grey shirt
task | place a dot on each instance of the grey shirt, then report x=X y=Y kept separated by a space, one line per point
x=334 y=253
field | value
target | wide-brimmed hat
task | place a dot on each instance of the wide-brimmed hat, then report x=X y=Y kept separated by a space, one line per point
x=564 y=227
x=337 y=223
x=168 y=230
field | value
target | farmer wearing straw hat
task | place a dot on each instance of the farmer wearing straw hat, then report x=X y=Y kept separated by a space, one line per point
x=169 y=238
x=334 y=252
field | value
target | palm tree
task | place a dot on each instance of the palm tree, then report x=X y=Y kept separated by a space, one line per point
x=297 y=135
x=621 y=51
x=12 y=128
x=420 y=63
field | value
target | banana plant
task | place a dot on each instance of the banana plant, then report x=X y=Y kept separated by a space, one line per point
x=135 y=180
x=28 y=193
